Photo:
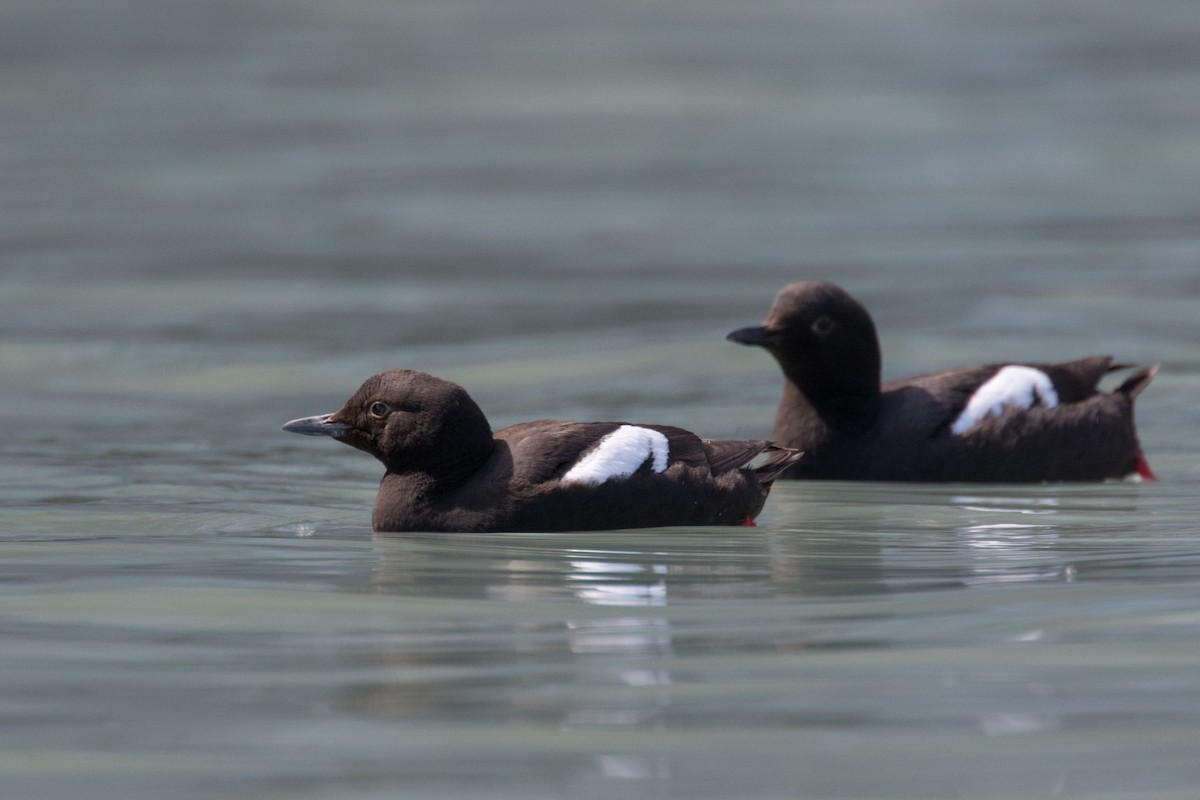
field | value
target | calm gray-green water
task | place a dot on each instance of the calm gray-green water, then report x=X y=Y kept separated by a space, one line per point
x=215 y=217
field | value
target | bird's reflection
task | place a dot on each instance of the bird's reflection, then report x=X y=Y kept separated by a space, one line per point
x=999 y=552
x=614 y=630
x=613 y=583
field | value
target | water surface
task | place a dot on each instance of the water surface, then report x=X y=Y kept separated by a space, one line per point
x=218 y=218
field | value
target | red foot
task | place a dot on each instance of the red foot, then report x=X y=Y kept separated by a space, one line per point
x=749 y=523
x=1143 y=469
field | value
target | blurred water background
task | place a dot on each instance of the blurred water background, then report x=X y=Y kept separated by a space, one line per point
x=215 y=217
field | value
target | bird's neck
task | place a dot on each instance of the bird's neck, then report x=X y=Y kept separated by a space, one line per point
x=442 y=469
x=403 y=498
x=809 y=415
x=412 y=500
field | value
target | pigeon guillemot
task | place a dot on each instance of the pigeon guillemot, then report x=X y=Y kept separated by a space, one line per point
x=1009 y=422
x=447 y=471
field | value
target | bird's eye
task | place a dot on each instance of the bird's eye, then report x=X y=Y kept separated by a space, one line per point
x=823 y=325
x=379 y=410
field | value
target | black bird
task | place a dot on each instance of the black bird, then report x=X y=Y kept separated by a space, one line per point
x=447 y=471
x=1008 y=422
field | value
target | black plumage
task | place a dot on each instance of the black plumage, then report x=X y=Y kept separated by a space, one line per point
x=852 y=427
x=447 y=471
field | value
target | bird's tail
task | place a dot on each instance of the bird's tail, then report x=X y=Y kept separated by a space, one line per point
x=1135 y=383
x=775 y=460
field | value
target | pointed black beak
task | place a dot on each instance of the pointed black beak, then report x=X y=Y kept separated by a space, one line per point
x=316 y=426
x=755 y=335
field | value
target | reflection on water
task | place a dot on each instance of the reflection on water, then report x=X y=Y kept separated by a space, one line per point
x=617 y=584
x=1007 y=552
x=639 y=617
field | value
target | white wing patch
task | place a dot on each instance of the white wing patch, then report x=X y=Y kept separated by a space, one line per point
x=1013 y=385
x=618 y=455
